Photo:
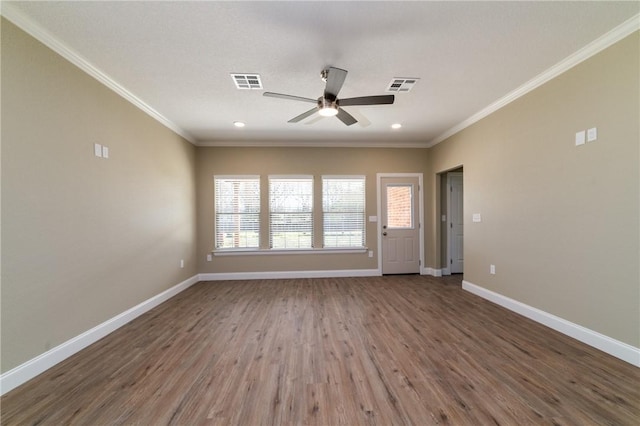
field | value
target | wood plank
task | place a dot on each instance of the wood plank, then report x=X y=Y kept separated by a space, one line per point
x=344 y=351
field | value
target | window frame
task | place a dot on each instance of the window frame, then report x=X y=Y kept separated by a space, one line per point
x=217 y=213
x=310 y=212
x=326 y=213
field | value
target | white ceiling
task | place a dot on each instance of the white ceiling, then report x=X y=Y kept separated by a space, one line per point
x=176 y=57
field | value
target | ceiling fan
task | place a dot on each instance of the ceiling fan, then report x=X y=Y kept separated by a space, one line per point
x=328 y=104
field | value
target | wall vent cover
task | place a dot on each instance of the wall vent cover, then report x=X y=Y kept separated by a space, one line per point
x=399 y=84
x=247 y=81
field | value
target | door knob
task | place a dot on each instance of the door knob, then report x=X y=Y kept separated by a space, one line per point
x=384 y=234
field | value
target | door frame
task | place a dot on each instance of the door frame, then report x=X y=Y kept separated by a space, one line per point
x=447 y=270
x=379 y=177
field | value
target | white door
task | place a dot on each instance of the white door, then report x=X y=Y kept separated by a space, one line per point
x=456 y=223
x=400 y=225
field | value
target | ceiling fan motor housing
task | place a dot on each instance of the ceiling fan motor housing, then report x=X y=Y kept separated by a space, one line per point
x=327 y=107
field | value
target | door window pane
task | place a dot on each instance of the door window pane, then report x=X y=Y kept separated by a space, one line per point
x=399 y=206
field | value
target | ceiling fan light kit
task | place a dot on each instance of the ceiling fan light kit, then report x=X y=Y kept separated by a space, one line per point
x=327 y=108
x=329 y=104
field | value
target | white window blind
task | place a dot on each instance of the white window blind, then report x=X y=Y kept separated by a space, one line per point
x=291 y=212
x=237 y=204
x=343 y=206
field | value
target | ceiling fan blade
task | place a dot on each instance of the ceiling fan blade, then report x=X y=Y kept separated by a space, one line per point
x=367 y=100
x=335 y=80
x=290 y=97
x=303 y=115
x=345 y=117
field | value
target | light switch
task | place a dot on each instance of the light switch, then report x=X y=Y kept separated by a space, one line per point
x=580 y=138
x=373 y=218
x=444 y=218
x=97 y=150
x=476 y=217
x=105 y=151
x=592 y=134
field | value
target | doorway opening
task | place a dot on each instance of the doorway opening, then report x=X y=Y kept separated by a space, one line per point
x=452 y=214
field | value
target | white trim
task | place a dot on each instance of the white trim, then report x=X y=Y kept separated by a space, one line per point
x=39 y=33
x=446 y=271
x=345 y=177
x=290 y=177
x=271 y=275
x=432 y=271
x=592 y=338
x=618 y=33
x=379 y=177
x=30 y=369
x=226 y=177
x=266 y=252
x=388 y=143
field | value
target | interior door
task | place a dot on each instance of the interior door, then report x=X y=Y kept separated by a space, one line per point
x=400 y=225
x=456 y=224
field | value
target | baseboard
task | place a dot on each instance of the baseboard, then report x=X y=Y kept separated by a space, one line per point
x=229 y=276
x=30 y=369
x=432 y=271
x=592 y=338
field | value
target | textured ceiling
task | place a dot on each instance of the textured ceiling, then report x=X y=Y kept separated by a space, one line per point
x=177 y=58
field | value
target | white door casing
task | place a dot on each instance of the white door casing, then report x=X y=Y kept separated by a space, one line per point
x=400 y=230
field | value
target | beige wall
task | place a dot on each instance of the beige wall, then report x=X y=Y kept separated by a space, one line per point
x=308 y=161
x=560 y=222
x=83 y=238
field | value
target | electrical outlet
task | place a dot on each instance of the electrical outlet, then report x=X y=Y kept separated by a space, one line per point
x=492 y=269
x=182 y=263
x=370 y=253
x=209 y=257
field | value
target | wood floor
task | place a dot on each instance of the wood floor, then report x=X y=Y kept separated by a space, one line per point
x=344 y=351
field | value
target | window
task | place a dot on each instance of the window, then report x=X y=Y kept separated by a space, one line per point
x=400 y=206
x=237 y=204
x=343 y=200
x=291 y=212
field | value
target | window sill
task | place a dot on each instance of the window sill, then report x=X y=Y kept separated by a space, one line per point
x=263 y=252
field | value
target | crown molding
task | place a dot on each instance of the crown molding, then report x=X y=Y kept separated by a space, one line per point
x=315 y=143
x=10 y=12
x=618 y=33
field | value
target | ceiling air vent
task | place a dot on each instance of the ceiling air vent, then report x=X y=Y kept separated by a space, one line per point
x=401 y=84
x=247 y=81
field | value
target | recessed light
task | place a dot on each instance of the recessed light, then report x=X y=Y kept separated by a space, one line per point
x=396 y=126
x=238 y=124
